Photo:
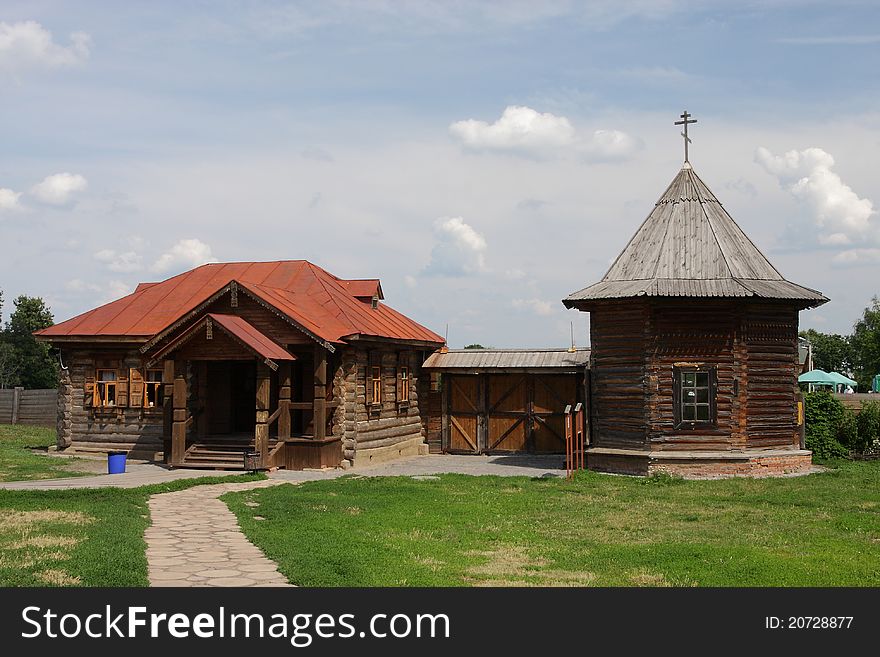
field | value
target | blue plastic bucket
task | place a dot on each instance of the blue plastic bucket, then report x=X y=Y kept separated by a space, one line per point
x=115 y=462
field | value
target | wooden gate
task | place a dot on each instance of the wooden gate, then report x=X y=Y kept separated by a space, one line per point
x=500 y=413
x=550 y=396
x=464 y=413
x=508 y=413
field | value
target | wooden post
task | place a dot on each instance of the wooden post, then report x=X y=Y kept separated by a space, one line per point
x=320 y=402
x=167 y=407
x=178 y=429
x=261 y=429
x=16 y=403
x=202 y=419
x=284 y=400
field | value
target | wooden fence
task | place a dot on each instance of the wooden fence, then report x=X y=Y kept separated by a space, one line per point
x=20 y=406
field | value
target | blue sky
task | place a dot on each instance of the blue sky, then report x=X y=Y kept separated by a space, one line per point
x=483 y=159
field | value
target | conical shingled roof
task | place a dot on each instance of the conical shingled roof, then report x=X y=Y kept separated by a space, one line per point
x=689 y=246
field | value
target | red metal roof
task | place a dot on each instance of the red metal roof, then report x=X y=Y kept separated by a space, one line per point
x=310 y=296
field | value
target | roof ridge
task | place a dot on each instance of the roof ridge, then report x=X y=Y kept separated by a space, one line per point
x=339 y=306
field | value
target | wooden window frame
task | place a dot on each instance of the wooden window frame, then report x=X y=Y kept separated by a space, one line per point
x=102 y=389
x=679 y=379
x=157 y=385
x=375 y=383
x=403 y=383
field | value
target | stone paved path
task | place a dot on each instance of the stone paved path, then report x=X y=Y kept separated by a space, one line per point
x=195 y=541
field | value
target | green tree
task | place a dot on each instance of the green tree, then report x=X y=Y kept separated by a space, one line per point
x=474 y=346
x=34 y=361
x=831 y=352
x=865 y=343
x=8 y=365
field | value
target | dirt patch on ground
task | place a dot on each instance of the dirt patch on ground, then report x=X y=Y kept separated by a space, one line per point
x=40 y=539
x=28 y=520
x=645 y=577
x=43 y=541
x=511 y=565
x=58 y=578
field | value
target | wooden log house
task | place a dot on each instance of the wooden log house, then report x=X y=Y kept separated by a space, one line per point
x=694 y=359
x=282 y=359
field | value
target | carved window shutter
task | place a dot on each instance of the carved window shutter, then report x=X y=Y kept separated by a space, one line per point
x=89 y=391
x=368 y=378
x=136 y=391
x=122 y=387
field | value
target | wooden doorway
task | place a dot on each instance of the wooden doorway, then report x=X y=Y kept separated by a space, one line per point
x=550 y=396
x=508 y=413
x=465 y=411
x=231 y=396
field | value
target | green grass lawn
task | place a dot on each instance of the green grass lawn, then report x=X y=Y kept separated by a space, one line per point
x=18 y=462
x=598 y=530
x=86 y=537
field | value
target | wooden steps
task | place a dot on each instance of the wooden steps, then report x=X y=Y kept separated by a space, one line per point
x=219 y=454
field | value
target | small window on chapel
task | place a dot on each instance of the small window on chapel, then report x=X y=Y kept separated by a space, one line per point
x=153 y=389
x=694 y=395
x=105 y=388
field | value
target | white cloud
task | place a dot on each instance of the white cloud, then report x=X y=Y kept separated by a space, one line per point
x=459 y=249
x=525 y=131
x=128 y=261
x=28 y=44
x=410 y=281
x=840 y=215
x=78 y=285
x=116 y=290
x=611 y=145
x=9 y=199
x=536 y=306
x=519 y=129
x=59 y=188
x=856 y=257
x=186 y=254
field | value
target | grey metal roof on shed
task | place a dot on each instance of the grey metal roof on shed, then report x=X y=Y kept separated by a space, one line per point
x=689 y=246
x=507 y=359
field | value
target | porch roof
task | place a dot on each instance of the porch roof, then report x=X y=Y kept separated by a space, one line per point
x=250 y=336
x=237 y=328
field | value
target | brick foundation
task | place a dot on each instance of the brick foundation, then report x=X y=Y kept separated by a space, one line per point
x=701 y=465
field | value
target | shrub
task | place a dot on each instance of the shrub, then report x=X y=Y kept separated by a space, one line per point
x=848 y=430
x=869 y=426
x=824 y=417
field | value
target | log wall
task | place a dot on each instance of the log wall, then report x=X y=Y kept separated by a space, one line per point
x=699 y=334
x=431 y=411
x=770 y=335
x=618 y=336
x=121 y=427
x=389 y=423
x=752 y=346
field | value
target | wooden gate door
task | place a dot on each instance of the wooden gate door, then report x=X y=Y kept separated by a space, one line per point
x=508 y=413
x=464 y=414
x=550 y=396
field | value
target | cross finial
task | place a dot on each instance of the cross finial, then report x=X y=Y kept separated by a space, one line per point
x=685 y=121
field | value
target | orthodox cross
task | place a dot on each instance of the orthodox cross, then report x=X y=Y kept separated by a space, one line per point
x=685 y=121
